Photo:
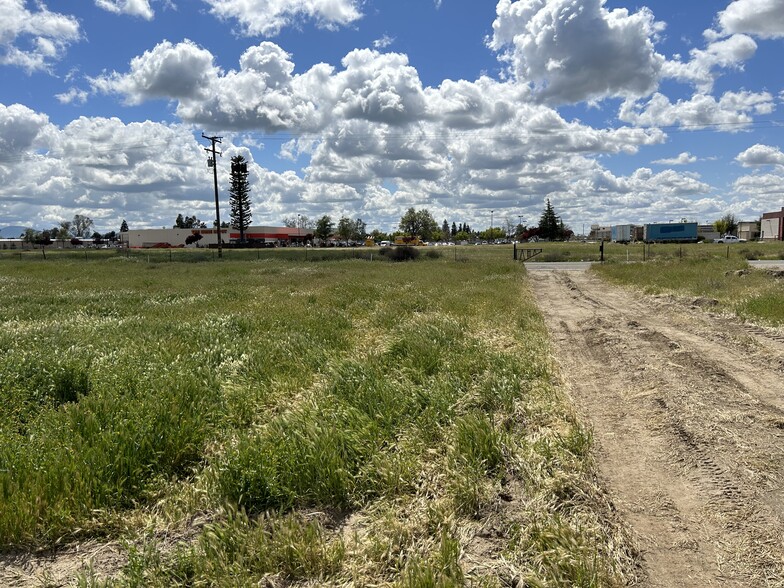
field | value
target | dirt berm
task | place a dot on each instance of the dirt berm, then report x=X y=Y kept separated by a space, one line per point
x=687 y=412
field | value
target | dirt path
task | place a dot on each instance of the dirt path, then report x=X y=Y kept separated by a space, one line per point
x=687 y=410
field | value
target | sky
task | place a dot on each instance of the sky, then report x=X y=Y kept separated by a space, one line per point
x=616 y=111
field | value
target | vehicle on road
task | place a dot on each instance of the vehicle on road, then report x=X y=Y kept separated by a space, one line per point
x=730 y=239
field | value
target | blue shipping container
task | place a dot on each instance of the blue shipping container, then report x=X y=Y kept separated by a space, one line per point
x=671 y=232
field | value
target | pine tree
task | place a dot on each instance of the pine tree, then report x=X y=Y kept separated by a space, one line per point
x=549 y=223
x=124 y=227
x=239 y=196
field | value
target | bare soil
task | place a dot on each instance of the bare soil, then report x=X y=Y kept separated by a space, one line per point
x=687 y=412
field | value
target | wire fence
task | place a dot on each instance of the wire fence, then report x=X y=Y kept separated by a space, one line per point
x=542 y=252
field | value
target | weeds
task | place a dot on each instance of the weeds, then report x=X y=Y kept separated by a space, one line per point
x=751 y=294
x=343 y=424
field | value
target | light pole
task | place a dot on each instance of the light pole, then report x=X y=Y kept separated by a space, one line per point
x=491 y=227
x=520 y=217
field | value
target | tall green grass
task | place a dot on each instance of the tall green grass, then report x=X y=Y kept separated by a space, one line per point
x=349 y=423
x=751 y=293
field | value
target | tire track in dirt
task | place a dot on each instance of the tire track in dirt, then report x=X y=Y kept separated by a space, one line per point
x=687 y=410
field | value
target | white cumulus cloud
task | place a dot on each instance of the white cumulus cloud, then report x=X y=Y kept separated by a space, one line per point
x=762 y=18
x=732 y=111
x=578 y=51
x=759 y=155
x=684 y=158
x=21 y=129
x=181 y=71
x=140 y=8
x=701 y=70
x=268 y=17
x=33 y=40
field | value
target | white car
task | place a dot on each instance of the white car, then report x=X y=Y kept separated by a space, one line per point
x=730 y=239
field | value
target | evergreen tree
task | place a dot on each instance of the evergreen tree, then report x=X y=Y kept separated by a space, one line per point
x=124 y=227
x=239 y=196
x=445 y=234
x=549 y=223
x=454 y=229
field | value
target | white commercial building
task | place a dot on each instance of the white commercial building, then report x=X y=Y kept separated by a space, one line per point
x=166 y=238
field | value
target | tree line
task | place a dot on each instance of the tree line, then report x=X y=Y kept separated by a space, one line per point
x=75 y=231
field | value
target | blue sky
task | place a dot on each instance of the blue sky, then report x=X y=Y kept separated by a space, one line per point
x=617 y=112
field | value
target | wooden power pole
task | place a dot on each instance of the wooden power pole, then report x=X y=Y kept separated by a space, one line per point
x=212 y=162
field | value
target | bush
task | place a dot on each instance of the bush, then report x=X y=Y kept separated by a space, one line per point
x=402 y=253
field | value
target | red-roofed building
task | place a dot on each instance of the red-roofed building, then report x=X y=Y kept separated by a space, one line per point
x=254 y=236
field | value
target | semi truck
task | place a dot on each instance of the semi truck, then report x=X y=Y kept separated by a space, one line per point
x=671 y=233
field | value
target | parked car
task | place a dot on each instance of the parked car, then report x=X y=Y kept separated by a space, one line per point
x=730 y=239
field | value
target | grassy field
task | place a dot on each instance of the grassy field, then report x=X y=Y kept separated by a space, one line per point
x=618 y=252
x=550 y=252
x=721 y=284
x=341 y=422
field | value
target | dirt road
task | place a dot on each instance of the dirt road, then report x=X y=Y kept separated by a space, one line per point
x=687 y=410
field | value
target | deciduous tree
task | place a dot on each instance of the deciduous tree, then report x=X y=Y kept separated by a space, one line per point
x=345 y=228
x=324 y=227
x=81 y=225
x=726 y=225
x=418 y=223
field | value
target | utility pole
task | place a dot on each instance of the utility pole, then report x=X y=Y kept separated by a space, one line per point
x=212 y=162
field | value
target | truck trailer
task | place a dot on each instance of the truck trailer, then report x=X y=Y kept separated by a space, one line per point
x=671 y=233
x=622 y=233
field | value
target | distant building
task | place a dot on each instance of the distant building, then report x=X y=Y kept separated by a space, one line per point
x=749 y=230
x=13 y=244
x=772 y=226
x=708 y=232
x=600 y=233
x=254 y=236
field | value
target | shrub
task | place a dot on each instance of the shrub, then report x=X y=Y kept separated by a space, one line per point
x=402 y=253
